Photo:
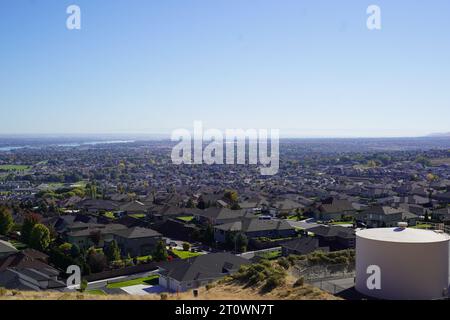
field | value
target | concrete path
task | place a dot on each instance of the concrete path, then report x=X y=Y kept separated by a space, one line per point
x=142 y=289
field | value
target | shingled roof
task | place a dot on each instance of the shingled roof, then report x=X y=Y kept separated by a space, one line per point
x=253 y=225
x=208 y=266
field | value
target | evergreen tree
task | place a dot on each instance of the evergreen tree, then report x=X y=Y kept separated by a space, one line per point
x=28 y=223
x=160 y=253
x=112 y=251
x=6 y=221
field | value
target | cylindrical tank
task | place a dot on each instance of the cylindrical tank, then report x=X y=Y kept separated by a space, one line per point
x=412 y=263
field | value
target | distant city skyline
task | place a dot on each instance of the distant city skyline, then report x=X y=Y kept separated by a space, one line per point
x=309 y=68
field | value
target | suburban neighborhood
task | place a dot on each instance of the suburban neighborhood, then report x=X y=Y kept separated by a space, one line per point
x=136 y=224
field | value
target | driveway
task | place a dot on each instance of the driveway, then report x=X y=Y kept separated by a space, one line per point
x=142 y=289
x=304 y=224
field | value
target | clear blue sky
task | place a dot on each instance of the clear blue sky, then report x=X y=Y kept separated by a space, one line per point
x=308 y=68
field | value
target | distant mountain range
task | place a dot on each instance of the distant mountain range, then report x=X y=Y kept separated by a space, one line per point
x=439 y=134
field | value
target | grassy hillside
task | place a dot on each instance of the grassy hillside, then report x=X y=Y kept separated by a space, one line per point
x=267 y=280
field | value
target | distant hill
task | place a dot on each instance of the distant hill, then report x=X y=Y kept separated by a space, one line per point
x=439 y=134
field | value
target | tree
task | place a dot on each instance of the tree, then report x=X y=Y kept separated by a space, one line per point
x=208 y=234
x=75 y=251
x=97 y=261
x=39 y=237
x=236 y=241
x=91 y=190
x=431 y=177
x=160 y=253
x=112 y=251
x=6 y=221
x=231 y=195
x=65 y=247
x=29 y=222
x=190 y=203
x=201 y=204
x=235 y=206
x=186 y=246
x=241 y=242
x=83 y=285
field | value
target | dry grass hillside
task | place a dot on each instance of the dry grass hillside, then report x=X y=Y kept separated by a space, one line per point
x=263 y=281
x=218 y=292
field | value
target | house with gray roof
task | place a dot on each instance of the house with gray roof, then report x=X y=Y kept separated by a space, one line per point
x=183 y=275
x=333 y=209
x=385 y=216
x=28 y=271
x=136 y=241
x=216 y=216
x=6 y=249
x=254 y=228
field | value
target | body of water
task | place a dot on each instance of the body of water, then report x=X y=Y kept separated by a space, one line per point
x=68 y=145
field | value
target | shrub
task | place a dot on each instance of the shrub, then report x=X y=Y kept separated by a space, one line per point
x=83 y=285
x=300 y=282
x=186 y=246
x=275 y=280
x=263 y=272
x=284 y=263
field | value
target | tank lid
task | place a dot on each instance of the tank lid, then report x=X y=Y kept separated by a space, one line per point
x=406 y=235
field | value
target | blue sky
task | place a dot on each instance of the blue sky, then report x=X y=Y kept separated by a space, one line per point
x=308 y=68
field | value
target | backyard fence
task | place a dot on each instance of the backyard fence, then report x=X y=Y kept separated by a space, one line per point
x=324 y=272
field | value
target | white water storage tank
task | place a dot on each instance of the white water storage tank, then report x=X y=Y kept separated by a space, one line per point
x=414 y=263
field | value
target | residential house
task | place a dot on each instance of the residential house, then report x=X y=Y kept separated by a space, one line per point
x=254 y=228
x=183 y=275
x=442 y=214
x=217 y=216
x=333 y=209
x=6 y=249
x=135 y=241
x=334 y=237
x=28 y=270
x=301 y=246
x=97 y=205
x=385 y=216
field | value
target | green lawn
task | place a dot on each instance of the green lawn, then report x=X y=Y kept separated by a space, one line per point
x=341 y=222
x=19 y=245
x=143 y=258
x=151 y=280
x=110 y=215
x=13 y=167
x=97 y=292
x=137 y=215
x=295 y=218
x=270 y=255
x=186 y=218
x=79 y=184
x=185 y=254
x=422 y=226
